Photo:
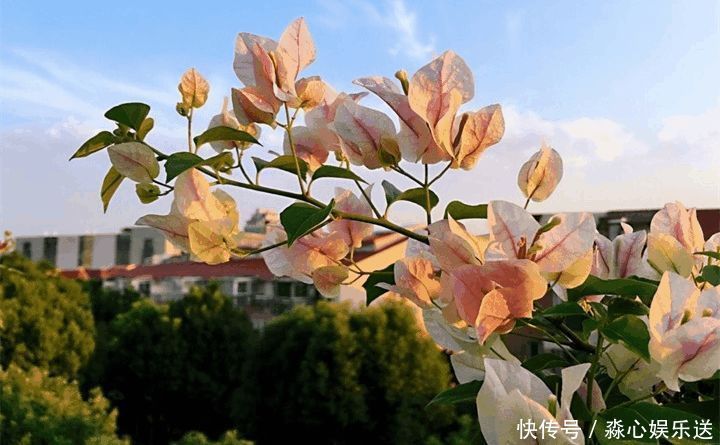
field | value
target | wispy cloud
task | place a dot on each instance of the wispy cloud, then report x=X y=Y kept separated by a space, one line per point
x=405 y=24
x=392 y=14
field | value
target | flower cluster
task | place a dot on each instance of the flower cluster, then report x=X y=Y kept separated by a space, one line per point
x=639 y=314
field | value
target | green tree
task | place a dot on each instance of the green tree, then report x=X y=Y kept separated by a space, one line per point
x=107 y=305
x=173 y=369
x=36 y=409
x=45 y=319
x=327 y=374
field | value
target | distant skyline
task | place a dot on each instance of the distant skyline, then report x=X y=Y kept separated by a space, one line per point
x=627 y=92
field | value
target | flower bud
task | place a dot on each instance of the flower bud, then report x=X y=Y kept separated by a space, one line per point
x=147 y=192
x=310 y=92
x=135 y=161
x=402 y=76
x=540 y=175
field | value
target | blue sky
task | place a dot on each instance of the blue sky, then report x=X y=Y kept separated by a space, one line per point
x=627 y=92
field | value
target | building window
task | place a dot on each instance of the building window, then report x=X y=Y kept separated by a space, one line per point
x=148 y=249
x=85 y=248
x=301 y=290
x=50 y=249
x=144 y=288
x=242 y=288
x=27 y=249
x=257 y=288
x=283 y=289
x=122 y=249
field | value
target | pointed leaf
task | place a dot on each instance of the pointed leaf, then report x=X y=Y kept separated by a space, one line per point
x=300 y=218
x=566 y=309
x=467 y=392
x=417 y=196
x=222 y=133
x=715 y=255
x=285 y=163
x=624 y=287
x=391 y=192
x=459 y=210
x=129 y=114
x=372 y=291
x=625 y=306
x=631 y=332
x=545 y=361
x=179 y=162
x=710 y=274
x=331 y=171
x=94 y=144
x=109 y=186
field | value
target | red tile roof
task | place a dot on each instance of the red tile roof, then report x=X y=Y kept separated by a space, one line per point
x=246 y=267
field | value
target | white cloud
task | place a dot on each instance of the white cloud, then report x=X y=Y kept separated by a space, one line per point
x=395 y=15
x=404 y=22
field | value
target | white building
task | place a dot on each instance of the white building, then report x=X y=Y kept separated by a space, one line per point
x=136 y=245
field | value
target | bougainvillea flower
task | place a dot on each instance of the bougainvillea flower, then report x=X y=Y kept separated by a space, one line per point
x=665 y=253
x=414 y=139
x=514 y=233
x=295 y=51
x=640 y=376
x=310 y=92
x=684 y=325
x=227 y=118
x=415 y=280
x=482 y=129
x=193 y=89
x=491 y=296
x=328 y=280
x=453 y=245
x=680 y=223
x=436 y=92
x=352 y=232
x=511 y=392
x=7 y=245
x=540 y=175
x=622 y=257
x=211 y=241
x=252 y=54
x=307 y=254
x=310 y=145
x=253 y=105
x=174 y=226
x=362 y=131
x=272 y=67
x=134 y=160
x=193 y=198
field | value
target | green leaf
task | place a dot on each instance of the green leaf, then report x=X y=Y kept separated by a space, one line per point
x=467 y=392
x=459 y=210
x=711 y=274
x=372 y=292
x=417 y=196
x=331 y=171
x=179 y=162
x=221 y=162
x=566 y=309
x=130 y=114
x=147 y=192
x=109 y=186
x=391 y=192
x=145 y=128
x=624 y=287
x=94 y=144
x=224 y=134
x=545 y=361
x=285 y=163
x=711 y=254
x=631 y=332
x=624 y=306
x=300 y=218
